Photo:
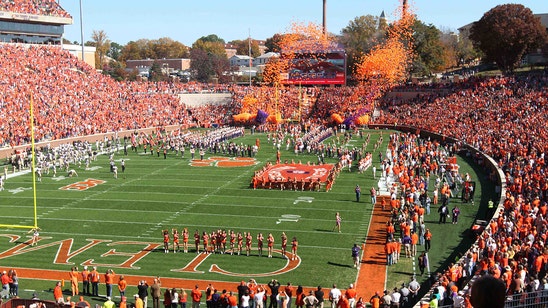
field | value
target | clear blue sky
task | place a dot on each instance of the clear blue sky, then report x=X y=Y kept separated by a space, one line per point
x=187 y=20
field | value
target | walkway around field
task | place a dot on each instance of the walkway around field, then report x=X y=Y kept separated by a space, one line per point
x=132 y=280
x=372 y=275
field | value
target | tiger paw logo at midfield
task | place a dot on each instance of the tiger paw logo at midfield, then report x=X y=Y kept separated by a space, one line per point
x=83 y=185
x=224 y=162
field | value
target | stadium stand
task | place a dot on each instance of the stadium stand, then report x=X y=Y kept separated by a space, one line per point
x=42 y=7
x=497 y=116
x=32 y=21
x=78 y=101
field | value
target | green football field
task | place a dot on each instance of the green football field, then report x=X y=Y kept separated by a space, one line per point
x=118 y=223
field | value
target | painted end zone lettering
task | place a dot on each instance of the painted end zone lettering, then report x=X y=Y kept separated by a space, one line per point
x=132 y=257
x=65 y=251
x=192 y=267
x=83 y=185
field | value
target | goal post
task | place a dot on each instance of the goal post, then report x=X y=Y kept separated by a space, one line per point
x=33 y=171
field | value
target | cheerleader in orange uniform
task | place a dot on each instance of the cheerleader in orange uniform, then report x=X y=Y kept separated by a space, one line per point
x=248 y=240
x=213 y=240
x=166 y=240
x=284 y=243
x=205 y=241
x=232 y=241
x=175 y=240
x=223 y=241
x=294 y=246
x=240 y=242
x=185 y=240
x=270 y=243
x=197 y=241
x=260 y=240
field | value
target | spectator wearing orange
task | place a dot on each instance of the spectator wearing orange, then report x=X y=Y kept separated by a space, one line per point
x=85 y=280
x=183 y=297
x=122 y=285
x=109 y=280
x=343 y=302
x=375 y=301
x=196 y=296
x=123 y=302
x=414 y=242
x=94 y=278
x=232 y=300
x=73 y=276
x=427 y=239
x=351 y=294
x=58 y=294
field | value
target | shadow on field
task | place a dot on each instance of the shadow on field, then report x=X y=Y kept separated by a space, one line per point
x=339 y=265
x=324 y=230
x=380 y=260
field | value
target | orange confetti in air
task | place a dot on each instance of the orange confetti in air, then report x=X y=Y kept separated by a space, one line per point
x=248 y=103
x=301 y=37
x=388 y=63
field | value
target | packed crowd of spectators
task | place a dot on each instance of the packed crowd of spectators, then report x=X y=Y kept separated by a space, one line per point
x=288 y=102
x=503 y=117
x=346 y=101
x=78 y=101
x=37 y=7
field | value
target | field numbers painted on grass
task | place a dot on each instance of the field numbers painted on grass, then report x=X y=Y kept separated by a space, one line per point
x=19 y=189
x=83 y=185
x=303 y=199
x=94 y=168
x=288 y=217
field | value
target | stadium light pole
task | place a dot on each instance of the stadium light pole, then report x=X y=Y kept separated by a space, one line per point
x=249 y=54
x=324 y=19
x=82 y=28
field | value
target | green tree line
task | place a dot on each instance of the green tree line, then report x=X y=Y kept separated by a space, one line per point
x=502 y=36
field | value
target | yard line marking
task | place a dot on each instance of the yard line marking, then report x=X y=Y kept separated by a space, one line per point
x=182 y=203
x=161 y=223
x=177 y=194
x=206 y=196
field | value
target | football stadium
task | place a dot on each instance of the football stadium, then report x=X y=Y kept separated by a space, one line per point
x=309 y=192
